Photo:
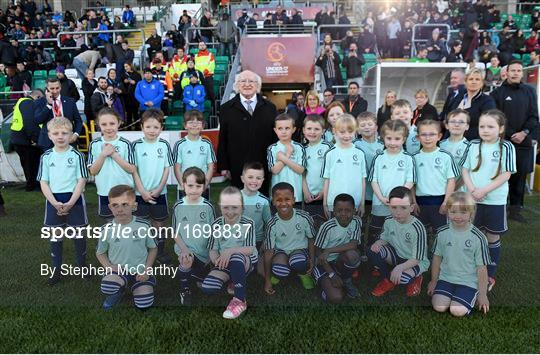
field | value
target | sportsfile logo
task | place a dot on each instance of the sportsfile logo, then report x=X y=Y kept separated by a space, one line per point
x=113 y=231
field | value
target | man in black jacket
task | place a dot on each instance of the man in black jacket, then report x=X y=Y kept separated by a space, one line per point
x=246 y=129
x=24 y=137
x=457 y=87
x=519 y=103
x=99 y=97
x=353 y=64
x=354 y=103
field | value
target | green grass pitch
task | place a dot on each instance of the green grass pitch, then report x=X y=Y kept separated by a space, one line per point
x=68 y=317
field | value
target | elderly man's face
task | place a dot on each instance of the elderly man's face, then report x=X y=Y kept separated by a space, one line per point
x=456 y=79
x=247 y=85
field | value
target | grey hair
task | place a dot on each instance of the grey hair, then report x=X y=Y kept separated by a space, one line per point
x=240 y=76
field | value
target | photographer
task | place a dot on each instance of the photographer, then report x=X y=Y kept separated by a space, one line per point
x=353 y=63
x=329 y=62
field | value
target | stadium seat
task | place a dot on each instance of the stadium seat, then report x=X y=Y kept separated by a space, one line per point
x=222 y=59
x=52 y=73
x=526 y=59
x=174 y=123
x=101 y=72
x=221 y=68
x=3 y=81
x=72 y=73
x=39 y=84
x=370 y=57
x=40 y=74
x=516 y=56
x=5 y=91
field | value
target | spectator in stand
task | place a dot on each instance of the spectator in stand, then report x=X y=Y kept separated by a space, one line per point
x=296 y=18
x=99 y=98
x=421 y=56
x=343 y=20
x=102 y=38
x=68 y=87
x=368 y=22
x=353 y=64
x=226 y=34
x=194 y=95
x=470 y=41
x=436 y=47
x=154 y=43
x=279 y=18
x=346 y=42
x=22 y=80
x=366 y=40
x=405 y=39
x=122 y=54
x=328 y=97
x=114 y=80
x=241 y=22
x=510 y=23
x=251 y=23
x=455 y=53
x=353 y=102
x=206 y=63
x=493 y=72
x=424 y=110
x=329 y=62
x=313 y=104
x=178 y=39
x=506 y=47
x=117 y=23
x=486 y=50
x=190 y=70
x=88 y=59
x=130 y=78
x=117 y=104
x=267 y=24
x=392 y=29
x=519 y=43
x=128 y=18
x=532 y=42
x=149 y=92
x=89 y=85
x=535 y=57
x=384 y=112
x=206 y=21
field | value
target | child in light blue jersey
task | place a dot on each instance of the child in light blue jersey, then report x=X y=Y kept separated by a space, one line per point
x=312 y=182
x=402 y=246
x=391 y=168
x=232 y=251
x=287 y=158
x=153 y=159
x=191 y=215
x=127 y=251
x=62 y=175
x=256 y=205
x=337 y=251
x=487 y=165
x=436 y=175
x=333 y=111
x=370 y=145
x=459 y=267
x=402 y=111
x=288 y=246
x=344 y=169
x=456 y=122
x=110 y=159
x=194 y=150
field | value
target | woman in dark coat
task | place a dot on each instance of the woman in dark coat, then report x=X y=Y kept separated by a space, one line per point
x=473 y=100
x=130 y=78
x=470 y=41
x=89 y=85
x=383 y=113
x=424 y=110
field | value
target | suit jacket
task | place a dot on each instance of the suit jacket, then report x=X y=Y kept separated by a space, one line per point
x=44 y=114
x=244 y=138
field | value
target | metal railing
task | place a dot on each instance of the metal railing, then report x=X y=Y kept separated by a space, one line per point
x=210 y=44
x=418 y=28
x=281 y=29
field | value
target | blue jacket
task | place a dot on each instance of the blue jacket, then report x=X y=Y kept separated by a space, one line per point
x=128 y=17
x=149 y=91
x=196 y=93
x=44 y=114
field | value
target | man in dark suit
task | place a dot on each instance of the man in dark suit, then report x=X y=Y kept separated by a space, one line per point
x=55 y=105
x=246 y=129
x=457 y=78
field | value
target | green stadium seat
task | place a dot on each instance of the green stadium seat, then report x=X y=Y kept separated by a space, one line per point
x=194 y=51
x=207 y=105
x=3 y=81
x=526 y=59
x=370 y=57
x=5 y=92
x=40 y=74
x=174 y=123
x=219 y=78
x=39 y=84
x=516 y=56
x=52 y=73
x=222 y=59
x=221 y=68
